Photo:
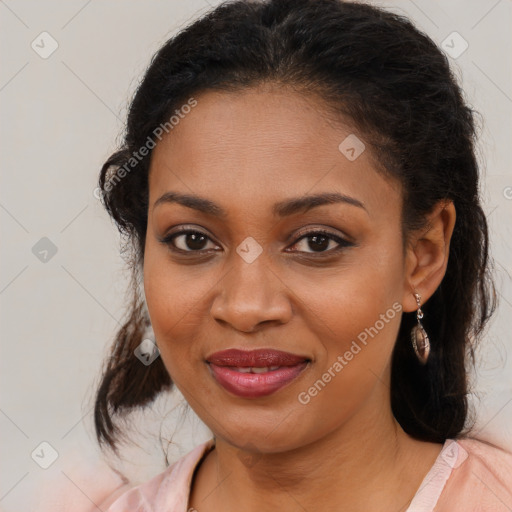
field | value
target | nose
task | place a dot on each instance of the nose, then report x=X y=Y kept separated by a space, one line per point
x=251 y=295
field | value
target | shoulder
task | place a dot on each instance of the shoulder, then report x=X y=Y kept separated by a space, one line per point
x=167 y=491
x=480 y=479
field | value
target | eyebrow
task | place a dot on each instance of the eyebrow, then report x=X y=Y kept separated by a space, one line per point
x=281 y=209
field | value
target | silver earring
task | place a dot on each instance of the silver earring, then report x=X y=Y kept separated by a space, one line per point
x=419 y=336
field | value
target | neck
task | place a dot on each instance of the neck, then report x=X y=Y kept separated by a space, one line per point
x=369 y=463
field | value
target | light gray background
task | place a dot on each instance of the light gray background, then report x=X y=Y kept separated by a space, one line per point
x=60 y=118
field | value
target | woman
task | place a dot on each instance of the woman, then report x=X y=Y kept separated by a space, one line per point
x=299 y=183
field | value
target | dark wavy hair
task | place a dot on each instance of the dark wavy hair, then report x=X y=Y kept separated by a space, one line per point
x=396 y=87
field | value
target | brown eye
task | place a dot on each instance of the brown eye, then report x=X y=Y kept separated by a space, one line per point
x=321 y=242
x=188 y=241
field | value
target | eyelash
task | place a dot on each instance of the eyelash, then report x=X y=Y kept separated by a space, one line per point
x=168 y=241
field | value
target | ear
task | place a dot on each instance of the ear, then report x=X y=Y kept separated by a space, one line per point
x=427 y=254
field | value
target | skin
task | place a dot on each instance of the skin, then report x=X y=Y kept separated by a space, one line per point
x=246 y=151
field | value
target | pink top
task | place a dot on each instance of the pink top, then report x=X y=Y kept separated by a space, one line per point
x=468 y=475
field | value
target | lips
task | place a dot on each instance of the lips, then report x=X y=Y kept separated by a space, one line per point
x=255 y=373
x=255 y=358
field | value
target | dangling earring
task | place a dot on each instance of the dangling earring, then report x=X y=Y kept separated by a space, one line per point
x=419 y=336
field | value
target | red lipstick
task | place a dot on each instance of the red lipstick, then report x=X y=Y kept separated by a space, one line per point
x=255 y=373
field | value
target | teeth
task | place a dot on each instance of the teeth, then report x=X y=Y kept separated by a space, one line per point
x=259 y=370
x=255 y=369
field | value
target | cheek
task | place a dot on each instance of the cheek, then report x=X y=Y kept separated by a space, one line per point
x=356 y=331
x=352 y=373
x=349 y=300
x=355 y=314
x=174 y=297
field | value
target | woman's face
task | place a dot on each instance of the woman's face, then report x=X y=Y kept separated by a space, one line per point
x=258 y=274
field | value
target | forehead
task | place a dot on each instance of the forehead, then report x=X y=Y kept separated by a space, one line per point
x=258 y=146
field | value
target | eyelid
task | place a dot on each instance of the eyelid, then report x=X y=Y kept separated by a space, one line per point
x=181 y=230
x=320 y=229
x=342 y=240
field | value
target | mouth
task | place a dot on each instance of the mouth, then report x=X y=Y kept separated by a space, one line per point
x=262 y=358
x=256 y=373
x=254 y=369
